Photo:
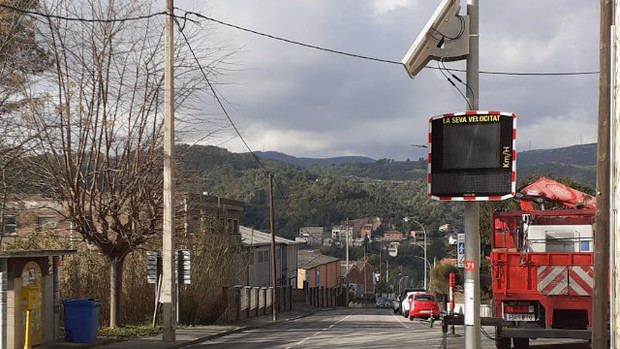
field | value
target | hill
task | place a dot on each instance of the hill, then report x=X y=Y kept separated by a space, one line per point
x=307 y=162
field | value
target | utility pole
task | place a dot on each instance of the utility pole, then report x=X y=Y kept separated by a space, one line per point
x=614 y=257
x=472 y=209
x=274 y=298
x=168 y=289
x=346 y=264
x=600 y=307
x=346 y=234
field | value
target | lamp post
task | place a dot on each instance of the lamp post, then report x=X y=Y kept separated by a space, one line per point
x=407 y=219
x=400 y=282
x=427 y=263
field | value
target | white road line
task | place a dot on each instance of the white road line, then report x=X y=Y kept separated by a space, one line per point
x=295 y=345
x=399 y=321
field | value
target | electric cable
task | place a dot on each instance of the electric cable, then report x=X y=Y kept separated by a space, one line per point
x=82 y=19
x=382 y=60
x=221 y=105
x=458 y=79
x=456 y=87
x=279 y=38
x=216 y=96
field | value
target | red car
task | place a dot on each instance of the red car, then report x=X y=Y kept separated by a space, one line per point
x=423 y=305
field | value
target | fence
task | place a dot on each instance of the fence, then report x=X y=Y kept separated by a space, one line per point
x=246 y=302
x=323 y=297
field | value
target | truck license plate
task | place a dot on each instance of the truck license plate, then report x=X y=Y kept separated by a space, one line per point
x=520 y=317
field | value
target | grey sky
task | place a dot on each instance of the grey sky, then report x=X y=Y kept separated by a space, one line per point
x=311 y=103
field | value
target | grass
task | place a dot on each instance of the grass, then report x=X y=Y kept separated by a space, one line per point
x=106 y=335
x=129 y=331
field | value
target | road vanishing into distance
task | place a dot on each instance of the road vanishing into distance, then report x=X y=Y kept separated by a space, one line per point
x=360 y=329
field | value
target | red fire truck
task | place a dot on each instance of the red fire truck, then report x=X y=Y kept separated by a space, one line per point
x=542 y=266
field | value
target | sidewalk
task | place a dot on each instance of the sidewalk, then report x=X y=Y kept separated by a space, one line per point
x=191 y=335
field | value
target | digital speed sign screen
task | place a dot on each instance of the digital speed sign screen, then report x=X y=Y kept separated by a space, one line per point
x=472 y=156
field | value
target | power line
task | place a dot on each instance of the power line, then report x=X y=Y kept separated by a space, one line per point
x=290 y=41
x=275 y=37
x=375 y=59
x=217 y=98
x=221 y=105
x=92 y=20
x=81 y=19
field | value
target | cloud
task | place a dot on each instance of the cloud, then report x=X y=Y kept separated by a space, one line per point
x=312 y=103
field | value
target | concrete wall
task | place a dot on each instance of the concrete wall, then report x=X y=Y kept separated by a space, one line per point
x=248 y=302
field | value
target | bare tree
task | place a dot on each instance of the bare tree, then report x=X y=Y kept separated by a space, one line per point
x=22 y=57
x=100 y=133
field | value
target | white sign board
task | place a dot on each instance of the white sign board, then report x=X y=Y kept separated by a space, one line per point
x=460 y=251
x=469 y=303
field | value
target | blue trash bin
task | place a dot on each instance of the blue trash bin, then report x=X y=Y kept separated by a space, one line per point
x=81 y=320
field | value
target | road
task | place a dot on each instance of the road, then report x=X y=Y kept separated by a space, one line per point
x=357 y=328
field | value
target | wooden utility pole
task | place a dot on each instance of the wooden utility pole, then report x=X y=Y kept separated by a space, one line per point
x=168 y=288
x=346 y=264
x=274 y=297
x=600 y=298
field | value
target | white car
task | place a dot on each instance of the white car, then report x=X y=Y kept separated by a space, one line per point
x=404 y=304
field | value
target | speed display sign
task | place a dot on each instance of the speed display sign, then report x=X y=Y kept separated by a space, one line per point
x=472 y=156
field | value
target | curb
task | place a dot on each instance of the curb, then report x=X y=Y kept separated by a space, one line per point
x=241 y=329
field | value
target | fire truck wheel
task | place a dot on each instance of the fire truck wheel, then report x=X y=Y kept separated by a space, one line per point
x=521 y=343
x=502 y=343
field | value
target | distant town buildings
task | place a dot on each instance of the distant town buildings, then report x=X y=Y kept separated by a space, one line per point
x=312 y=235
x=339 y=232
x=392 y=235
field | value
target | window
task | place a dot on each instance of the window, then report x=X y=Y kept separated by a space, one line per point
x=46 y=222
x=10 y=226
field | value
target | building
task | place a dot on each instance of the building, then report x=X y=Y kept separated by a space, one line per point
x=417 y=235
x=339 y=232
x=392 y=236
x=366 y=231
x=21 y=216
x=26 y=214
x=317 y=270
x=201 y=210
x=312 y=235
x=360 y=277
x=258 y=247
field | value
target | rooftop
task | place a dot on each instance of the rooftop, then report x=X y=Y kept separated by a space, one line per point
x=251 y=237
x=311 y=259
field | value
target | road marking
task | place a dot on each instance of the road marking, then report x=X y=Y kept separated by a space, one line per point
x=295 y=345
x=399 y=321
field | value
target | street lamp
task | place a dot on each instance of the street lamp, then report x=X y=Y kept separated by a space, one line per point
x=429 y=268
x=400 y=282
x=406 y=219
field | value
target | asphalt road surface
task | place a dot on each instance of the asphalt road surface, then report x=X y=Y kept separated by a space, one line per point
x=359 y=329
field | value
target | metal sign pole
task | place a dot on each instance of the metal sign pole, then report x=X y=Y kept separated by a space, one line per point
x=472 y=209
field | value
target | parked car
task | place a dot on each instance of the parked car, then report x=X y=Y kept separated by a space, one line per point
x=405 y=300
x=423 y=305
x=396 y=305
x=382 y=302
x=405 y=304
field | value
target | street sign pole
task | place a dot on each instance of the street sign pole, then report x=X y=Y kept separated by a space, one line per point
x=472 y=209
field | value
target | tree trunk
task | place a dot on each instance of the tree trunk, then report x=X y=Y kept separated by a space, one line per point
x=116 y=278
